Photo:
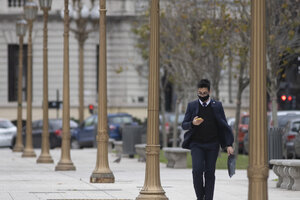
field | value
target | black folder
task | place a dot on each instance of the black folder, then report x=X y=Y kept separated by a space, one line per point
x=231 y=165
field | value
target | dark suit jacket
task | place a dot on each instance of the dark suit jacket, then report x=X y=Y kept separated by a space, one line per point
x=224 y=130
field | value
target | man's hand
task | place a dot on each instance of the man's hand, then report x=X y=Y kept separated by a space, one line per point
x=197 y=121
x=230 y=150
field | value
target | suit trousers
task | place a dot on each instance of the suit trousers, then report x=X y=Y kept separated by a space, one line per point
x=204 y=157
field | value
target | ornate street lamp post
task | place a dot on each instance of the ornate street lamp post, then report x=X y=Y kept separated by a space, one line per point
x=65 y=162
x=81 y=14
x=30 y=12
x=45 y=156
x=81 y=33
x=21 y=28
x=152 y=187
x=258 y=170
x=102 y=173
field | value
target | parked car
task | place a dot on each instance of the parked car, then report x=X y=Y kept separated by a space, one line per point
x=297 y=144
x=283 y=118
x=179 y=131
x=55 y=132
x=7 y=131
x=15 y=122
x=243 y=130
x=231 y=122
x=291 y=131
x=115 y=123
x=169 y=127
x=246 y=143
x=85 y=134
x=281 y=115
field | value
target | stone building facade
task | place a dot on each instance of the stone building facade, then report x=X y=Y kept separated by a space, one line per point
x=127 y=91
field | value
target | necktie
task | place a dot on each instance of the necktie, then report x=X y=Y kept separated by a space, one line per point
x=204 y=104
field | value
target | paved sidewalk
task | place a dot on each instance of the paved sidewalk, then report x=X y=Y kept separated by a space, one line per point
x=23 y=179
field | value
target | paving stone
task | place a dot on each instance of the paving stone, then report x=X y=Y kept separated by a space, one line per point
x=24 y=179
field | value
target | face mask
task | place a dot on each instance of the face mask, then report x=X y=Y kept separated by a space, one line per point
x=203 y=99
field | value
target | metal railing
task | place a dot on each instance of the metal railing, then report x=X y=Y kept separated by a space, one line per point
x=16 y=3
x=275 y=143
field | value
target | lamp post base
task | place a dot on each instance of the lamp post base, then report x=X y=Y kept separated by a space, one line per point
x=151 y=196
x=27 y=153
x=18 y=148
x=44 y=159
x=65 y=166
x=102 y=178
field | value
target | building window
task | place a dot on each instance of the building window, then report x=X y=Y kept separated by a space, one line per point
x=13 y=69
x=140 y=99
x=16 y=3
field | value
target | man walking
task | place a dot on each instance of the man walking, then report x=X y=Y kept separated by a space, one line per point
x=207 y=130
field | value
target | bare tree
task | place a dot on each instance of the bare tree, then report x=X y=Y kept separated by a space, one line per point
x=178 y=58
x=195 y=38
x=283 y=20
x=240 y=45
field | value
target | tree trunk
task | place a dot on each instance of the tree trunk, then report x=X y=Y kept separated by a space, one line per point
x=230 y=76
x=175 y=124
x=273 y=96
x=241 y=86
x=163 y=111
x=272 y=89
x=217 y=92
x=216 y=78
x=237 y=120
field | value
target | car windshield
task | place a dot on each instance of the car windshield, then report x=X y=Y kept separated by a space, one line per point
x=73 y=124
x=245 y=120
x=296 y=126
x=5 y=124
x=57 y=124
x=120 y=120
x=283 y=119
x=90 y=121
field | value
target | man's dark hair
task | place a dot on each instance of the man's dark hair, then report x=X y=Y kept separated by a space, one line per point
x=204 y=83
